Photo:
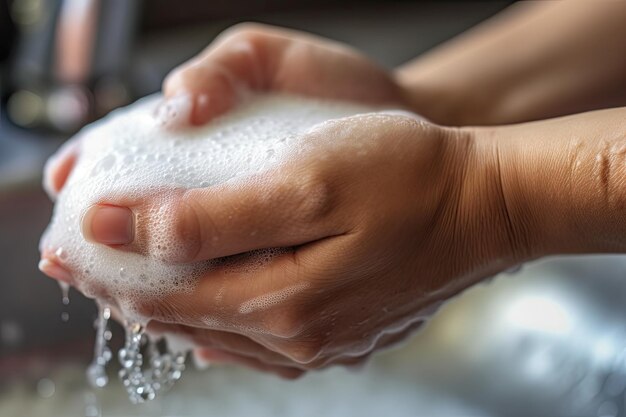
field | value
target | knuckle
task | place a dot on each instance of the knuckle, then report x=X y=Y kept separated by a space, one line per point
x=188 y=227
x=181 y=75
x=246 y=31
x=188 y=76
x=284 y=325
x=158 y=309
x=311 y=198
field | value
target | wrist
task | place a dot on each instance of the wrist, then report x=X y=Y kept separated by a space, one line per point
x=527 y=188
x=563 y=181
x=500 y=232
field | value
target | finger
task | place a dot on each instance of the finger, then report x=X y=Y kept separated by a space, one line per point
x=59 y=167
x=55 y=270
x=279 y=209
x=393 y=339
x=223 y=341
x=254 y=57
x=218 y=356
x=259 y=300
x=387 y=340
x=239 y=61
x=53 y=266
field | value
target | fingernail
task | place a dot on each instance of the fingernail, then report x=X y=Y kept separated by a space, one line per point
x=109 y=225
x=54 y=270
x=174 y=112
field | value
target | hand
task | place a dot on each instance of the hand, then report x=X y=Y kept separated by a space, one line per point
x=377 y=231
x=253 y=57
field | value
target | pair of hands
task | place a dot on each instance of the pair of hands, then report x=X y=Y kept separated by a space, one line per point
x=380 y=234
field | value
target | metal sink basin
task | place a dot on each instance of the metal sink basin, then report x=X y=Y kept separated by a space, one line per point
x=547 y=341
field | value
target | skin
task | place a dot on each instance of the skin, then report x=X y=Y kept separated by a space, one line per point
x=533 y=61
x=381 y=233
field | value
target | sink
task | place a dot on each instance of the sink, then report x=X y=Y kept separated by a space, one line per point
x=546 y=341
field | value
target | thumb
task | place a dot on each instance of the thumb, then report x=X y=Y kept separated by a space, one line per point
x=267 y=211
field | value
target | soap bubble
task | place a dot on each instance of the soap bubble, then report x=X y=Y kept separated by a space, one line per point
x=129 y=155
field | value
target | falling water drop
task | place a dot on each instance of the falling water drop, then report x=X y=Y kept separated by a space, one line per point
x=143 y=381
x=65 y=298
x=162 y=370
x=65 y=292
x=96 y=373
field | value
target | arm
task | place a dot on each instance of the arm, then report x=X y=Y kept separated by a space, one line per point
x=563 y=181
x=534 y=61
x=399 y=221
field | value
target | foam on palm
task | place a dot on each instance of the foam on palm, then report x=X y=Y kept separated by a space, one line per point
x=129 y=156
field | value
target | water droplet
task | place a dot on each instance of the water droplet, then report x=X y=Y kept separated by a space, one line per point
x=162 y=371
x=96 y=373
x=65 y=290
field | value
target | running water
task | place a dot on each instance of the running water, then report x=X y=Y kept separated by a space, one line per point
x=130 y=154
x=96 y=373
x=65 y=294
x=143 y=383
x=162 y=371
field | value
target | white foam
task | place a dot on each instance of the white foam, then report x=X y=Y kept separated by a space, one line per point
x=129 y=155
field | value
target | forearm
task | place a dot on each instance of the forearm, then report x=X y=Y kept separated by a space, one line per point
x=534 y=61
x=563 y=181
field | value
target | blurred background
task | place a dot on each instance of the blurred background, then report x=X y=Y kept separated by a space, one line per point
x=549 y=340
